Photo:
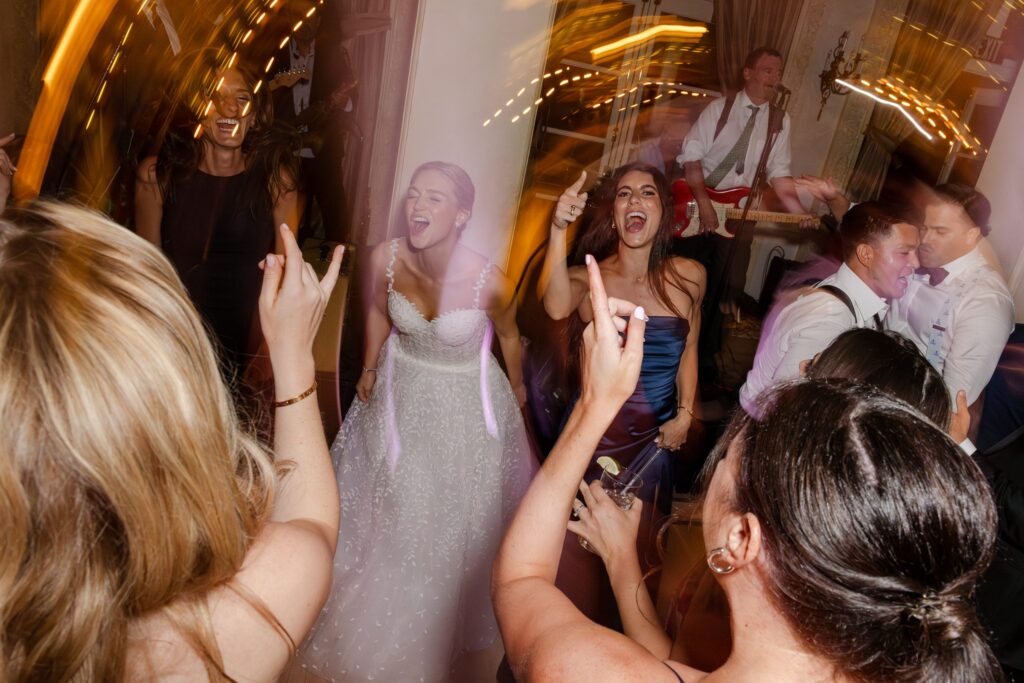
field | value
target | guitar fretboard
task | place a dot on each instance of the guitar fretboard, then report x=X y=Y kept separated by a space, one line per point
x=766 y=216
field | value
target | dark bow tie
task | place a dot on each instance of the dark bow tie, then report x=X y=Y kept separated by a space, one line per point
x=935 y=275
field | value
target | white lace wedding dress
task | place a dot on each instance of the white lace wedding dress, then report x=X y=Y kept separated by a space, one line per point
x=430 y=471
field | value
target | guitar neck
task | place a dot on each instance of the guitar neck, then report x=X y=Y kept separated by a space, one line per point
x=766 y=216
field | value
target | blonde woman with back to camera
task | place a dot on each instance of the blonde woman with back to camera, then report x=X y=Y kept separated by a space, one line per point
x=147 y=535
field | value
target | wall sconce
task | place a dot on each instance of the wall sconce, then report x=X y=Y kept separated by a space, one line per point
x=835 y=68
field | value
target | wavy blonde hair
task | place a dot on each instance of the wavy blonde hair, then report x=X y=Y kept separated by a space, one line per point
x=127 y=484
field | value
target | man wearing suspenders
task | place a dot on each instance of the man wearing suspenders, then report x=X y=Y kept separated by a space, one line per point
x=879 y=258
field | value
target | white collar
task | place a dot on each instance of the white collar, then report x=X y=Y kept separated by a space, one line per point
x=958 y=266
x=864 y=299
x=743 y=101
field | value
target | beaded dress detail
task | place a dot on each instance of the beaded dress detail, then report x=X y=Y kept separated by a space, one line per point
x=430 y=470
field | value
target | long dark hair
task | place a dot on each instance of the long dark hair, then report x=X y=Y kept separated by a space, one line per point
x=890 y=362
x=599 y=238
x=875 y=529
x=269 y=150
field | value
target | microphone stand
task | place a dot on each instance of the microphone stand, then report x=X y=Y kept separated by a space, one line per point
x=776 y=114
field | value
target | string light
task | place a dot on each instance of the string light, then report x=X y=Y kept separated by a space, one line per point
x=887 y=103
x=931 y=115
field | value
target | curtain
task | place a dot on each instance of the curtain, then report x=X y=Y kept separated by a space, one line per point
x=365 y=35
x=929 y=54
x=744 y=25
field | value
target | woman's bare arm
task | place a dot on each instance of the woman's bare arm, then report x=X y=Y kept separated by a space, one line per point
x=686 y=378
x=149 y=202
x=502 y=312
x=285 y=193
x=611 y=533
x=291 y=308
x=530 y=610
x=378 y=322
x=562 y=293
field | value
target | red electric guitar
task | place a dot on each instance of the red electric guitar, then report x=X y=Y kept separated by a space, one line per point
x=728 y=205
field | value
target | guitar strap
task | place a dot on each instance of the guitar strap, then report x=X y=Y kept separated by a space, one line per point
x=723 y=118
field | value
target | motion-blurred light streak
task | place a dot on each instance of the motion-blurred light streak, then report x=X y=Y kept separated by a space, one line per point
x=59 y=78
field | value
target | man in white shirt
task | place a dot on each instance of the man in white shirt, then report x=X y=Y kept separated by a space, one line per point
x=879 y=252
x=722 y=152
x=958 y=311
x=726 y=157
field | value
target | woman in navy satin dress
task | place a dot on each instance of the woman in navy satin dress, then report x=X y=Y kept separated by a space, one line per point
x=628 y=229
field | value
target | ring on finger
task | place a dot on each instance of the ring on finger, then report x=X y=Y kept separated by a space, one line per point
x=572 y=209
x=577 y=507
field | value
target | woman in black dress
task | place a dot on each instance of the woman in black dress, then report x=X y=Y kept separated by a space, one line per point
x=212 y=203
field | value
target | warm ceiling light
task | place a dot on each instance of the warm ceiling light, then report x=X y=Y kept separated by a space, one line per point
x=654 y=31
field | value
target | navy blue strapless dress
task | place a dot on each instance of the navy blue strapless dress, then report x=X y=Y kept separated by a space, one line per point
x=630 y=438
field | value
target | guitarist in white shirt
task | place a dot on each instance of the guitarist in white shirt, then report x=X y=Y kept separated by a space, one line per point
x=720 y=153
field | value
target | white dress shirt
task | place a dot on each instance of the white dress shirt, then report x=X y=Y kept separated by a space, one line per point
x=302 y=87
x=700 y=143
x=803 y=324
x=961 y=325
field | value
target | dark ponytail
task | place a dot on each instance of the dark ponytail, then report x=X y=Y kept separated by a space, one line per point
x=875 y=529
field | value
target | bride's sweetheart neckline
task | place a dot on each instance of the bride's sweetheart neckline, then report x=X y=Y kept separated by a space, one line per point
x=431 y=321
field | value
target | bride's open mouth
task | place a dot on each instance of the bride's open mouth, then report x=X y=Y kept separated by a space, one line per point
x=418 y=223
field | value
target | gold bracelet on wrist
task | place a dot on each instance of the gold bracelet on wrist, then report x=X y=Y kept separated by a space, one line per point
x=690 y=412
x=290 y=401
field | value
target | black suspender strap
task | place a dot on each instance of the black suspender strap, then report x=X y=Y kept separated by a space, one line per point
x=841 y=295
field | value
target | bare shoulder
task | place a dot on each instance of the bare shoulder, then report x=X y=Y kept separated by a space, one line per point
x=288 y=570
x=471 y=261
x=690 y=276
x=146 y=172
x=286 y=573
x=579 y=274
x=587 y=652
x=496 y=281
x=690 y=269
x=380 y=257
x=283 y=182
x=382 y=252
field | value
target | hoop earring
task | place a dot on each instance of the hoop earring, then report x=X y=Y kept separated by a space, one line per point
x=713 y=562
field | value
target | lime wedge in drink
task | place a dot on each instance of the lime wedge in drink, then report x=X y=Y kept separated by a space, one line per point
x=609 y=464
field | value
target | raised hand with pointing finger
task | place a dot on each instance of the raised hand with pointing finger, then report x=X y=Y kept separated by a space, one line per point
x=570 y=204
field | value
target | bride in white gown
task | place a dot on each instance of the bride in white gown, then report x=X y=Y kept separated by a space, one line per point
x=431 y=460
